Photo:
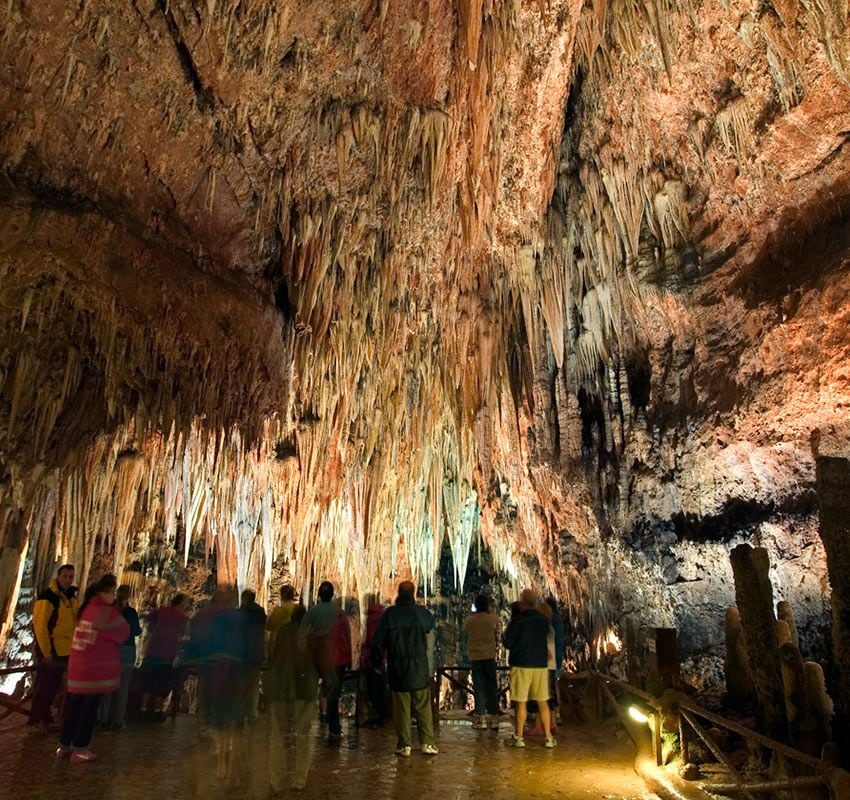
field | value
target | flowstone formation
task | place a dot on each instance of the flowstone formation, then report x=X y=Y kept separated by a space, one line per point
x=316 y=286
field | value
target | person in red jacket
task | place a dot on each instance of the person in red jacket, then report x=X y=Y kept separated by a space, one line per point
x=374 y=675
x=167 y=626
x=341 y=647
x=94 y=667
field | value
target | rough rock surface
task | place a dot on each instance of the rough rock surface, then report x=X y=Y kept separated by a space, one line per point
x=329 y=282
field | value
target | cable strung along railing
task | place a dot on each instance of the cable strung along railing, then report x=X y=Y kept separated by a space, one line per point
x=826 y=775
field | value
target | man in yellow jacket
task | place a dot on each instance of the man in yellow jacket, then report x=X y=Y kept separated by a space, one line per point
x=54 y=617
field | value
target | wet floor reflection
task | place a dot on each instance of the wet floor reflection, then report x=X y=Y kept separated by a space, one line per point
x=166 y=761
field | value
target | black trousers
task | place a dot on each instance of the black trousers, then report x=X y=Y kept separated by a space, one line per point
x=333 y=690
x=376 y=693
x=484 y=687
x=80 y=718
x=48 y=681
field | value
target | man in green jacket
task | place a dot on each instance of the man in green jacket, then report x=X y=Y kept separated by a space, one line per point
x=54 y=617
x=402 y=631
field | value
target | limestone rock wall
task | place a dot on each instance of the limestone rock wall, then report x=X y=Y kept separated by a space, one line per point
x=323 y=284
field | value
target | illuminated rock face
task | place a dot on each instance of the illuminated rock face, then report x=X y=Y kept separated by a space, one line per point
x=321 y=284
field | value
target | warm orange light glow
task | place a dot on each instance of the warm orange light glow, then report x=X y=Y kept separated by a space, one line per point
x=607 y=643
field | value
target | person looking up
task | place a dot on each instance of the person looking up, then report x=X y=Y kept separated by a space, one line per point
x=526 y=639
x=403 y=631
x=326 y=634
x=282 y=614
x=481 y=631
x=54 y=616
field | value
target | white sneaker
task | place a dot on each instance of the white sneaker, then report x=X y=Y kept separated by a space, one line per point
x=403 y=751
x=429 y=749
x=550 y=742
x=515 y=741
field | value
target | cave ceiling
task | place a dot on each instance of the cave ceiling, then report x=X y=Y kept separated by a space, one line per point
x=335 y=282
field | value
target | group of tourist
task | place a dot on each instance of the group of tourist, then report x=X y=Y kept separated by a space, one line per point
x=306 y=654
x=535 y=643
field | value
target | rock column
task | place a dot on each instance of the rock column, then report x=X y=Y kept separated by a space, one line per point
x=833 y=487
x=754 y=597
x=12 y=548
x=739 y=681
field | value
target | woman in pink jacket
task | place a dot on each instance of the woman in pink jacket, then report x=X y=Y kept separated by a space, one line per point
x=94 y=668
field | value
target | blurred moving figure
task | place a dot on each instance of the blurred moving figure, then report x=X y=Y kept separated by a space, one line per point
x=255 y=650
x=292 y=692
x=168 y=626
x=228 y=698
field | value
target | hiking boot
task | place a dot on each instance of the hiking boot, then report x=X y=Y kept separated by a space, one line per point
x=63 y=752
x=480 y=724
x=429 y=749
x=550 y=742
x=82 y=756
x=515 y=741
x=403 y=751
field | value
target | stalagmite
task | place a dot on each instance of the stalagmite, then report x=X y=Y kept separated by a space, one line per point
x=785 y=613
x=547 y=294
x=821 y=708
x=754 y=596
x=800 y=719
x=736 y=669
x=833 y=488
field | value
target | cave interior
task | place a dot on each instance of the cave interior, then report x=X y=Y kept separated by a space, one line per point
x=517 y=293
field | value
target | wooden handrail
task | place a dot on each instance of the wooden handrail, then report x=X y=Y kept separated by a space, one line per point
x=684 y=702
x=779 y=747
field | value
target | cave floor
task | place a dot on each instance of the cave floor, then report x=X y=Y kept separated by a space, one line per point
x=165 y=760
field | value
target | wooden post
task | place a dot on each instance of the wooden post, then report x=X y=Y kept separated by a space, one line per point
x=657 y=745
x=684 y=739
x=736 y=669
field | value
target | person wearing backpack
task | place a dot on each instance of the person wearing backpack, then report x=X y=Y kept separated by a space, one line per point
x=54 y=616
